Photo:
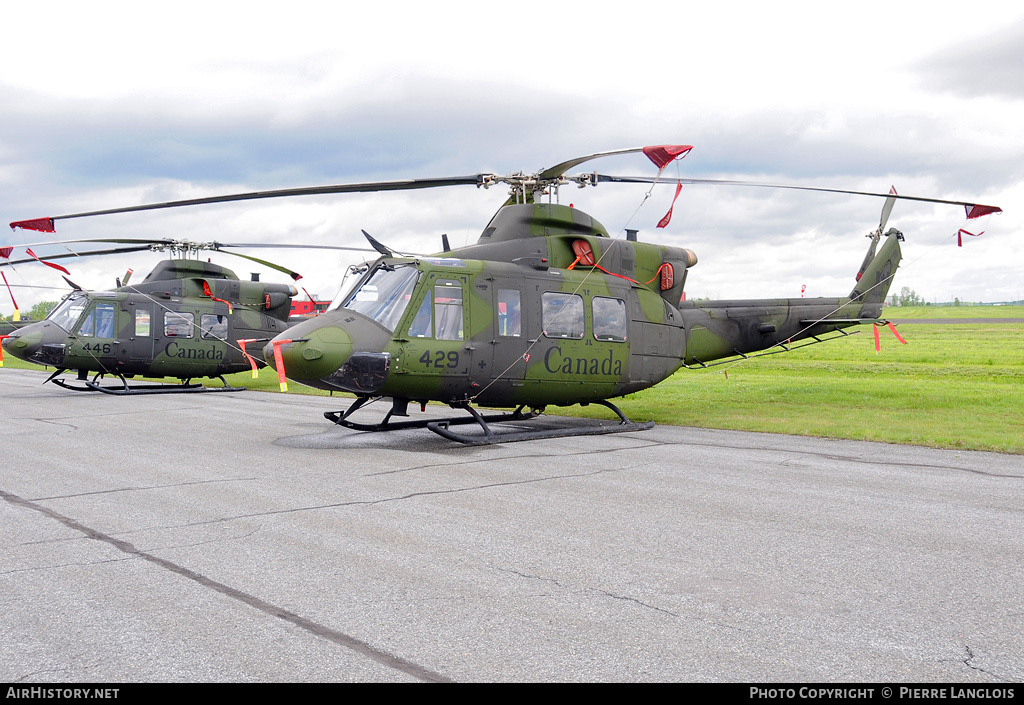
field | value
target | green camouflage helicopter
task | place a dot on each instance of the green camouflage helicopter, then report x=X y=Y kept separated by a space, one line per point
x=184 y=320
x=546 y=309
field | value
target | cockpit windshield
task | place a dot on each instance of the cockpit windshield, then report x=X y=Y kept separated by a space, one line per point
x=68 y=312
x=384 y=296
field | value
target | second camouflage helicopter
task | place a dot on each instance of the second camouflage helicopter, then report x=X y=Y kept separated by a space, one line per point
x=188 y=319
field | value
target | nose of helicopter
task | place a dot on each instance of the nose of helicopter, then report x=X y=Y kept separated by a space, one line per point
x=41 y=343
x=338 y=350
x=308 y=356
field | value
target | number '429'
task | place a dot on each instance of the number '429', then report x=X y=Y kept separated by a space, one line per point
x=440 y=359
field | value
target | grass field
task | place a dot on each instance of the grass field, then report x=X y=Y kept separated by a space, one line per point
x=956 y=386
x=952 y=386
x=940 y=312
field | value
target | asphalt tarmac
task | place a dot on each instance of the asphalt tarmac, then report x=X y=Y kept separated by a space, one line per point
x=242 y=537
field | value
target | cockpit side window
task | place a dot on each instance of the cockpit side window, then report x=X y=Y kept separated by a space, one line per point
x=422 y=323
x=448 y=310
x=99 y=322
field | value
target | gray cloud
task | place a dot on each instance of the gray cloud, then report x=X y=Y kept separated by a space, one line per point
x=991 y=65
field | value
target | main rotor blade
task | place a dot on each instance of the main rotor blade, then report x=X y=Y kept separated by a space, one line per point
x=293 y=247
x=294 y=275
x=64 y=255
x=672 y=151
x=47 y=225
x=167 y=242
x=722 y=182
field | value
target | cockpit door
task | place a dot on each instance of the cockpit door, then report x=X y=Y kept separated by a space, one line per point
x=438 y=349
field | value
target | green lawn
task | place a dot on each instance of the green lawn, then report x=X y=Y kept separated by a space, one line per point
x=903 y=312
x=956 y=386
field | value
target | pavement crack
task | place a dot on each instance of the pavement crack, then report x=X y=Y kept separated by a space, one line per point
x=597 y=591
x=142 y=488
x=842 y=458
x=626 y=598
x=57 y=566
x=54 y=422
x=967 y=661
x=389 y=660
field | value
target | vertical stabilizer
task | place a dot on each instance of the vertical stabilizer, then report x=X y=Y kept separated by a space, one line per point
x=877 y=275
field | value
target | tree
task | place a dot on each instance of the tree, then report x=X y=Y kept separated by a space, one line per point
x=41 y=310
x=908 y=297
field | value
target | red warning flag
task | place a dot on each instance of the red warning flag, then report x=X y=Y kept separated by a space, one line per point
x=43 y=225
x=279 y=363
x=977 y=211
x=48 y=264
x=252 y=363
x=663 y=154
x=668 y=216
x=5 y=252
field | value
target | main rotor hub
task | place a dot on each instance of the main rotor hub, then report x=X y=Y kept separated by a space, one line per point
x=523 y=187
x=184 y=247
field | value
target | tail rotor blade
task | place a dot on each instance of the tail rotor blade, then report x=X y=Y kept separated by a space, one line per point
x=887 y=209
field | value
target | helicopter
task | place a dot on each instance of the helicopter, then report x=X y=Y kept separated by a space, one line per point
x=187 y=319
x=545 y=309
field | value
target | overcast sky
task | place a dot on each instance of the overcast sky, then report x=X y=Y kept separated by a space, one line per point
x=113 y=104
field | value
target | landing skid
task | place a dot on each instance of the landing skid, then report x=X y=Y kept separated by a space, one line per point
x=442 y=427
x=128 y=389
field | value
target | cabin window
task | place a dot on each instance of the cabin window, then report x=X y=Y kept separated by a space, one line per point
x=178 y=325
x=213 y=326
x=563 y=315
x=384 y=296
x=448 y=310
x=142 y=318
x=99 y=322
x=510 y=321
x=610 y=319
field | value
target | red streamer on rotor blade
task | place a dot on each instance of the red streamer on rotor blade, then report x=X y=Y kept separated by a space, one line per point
x=43 y=225
x=663 y=154
x=10 y=292
x=977 y=211
x=878 y=341
x=668 y=216
x=5 y=252
x=48 y=264
x=961 y=232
